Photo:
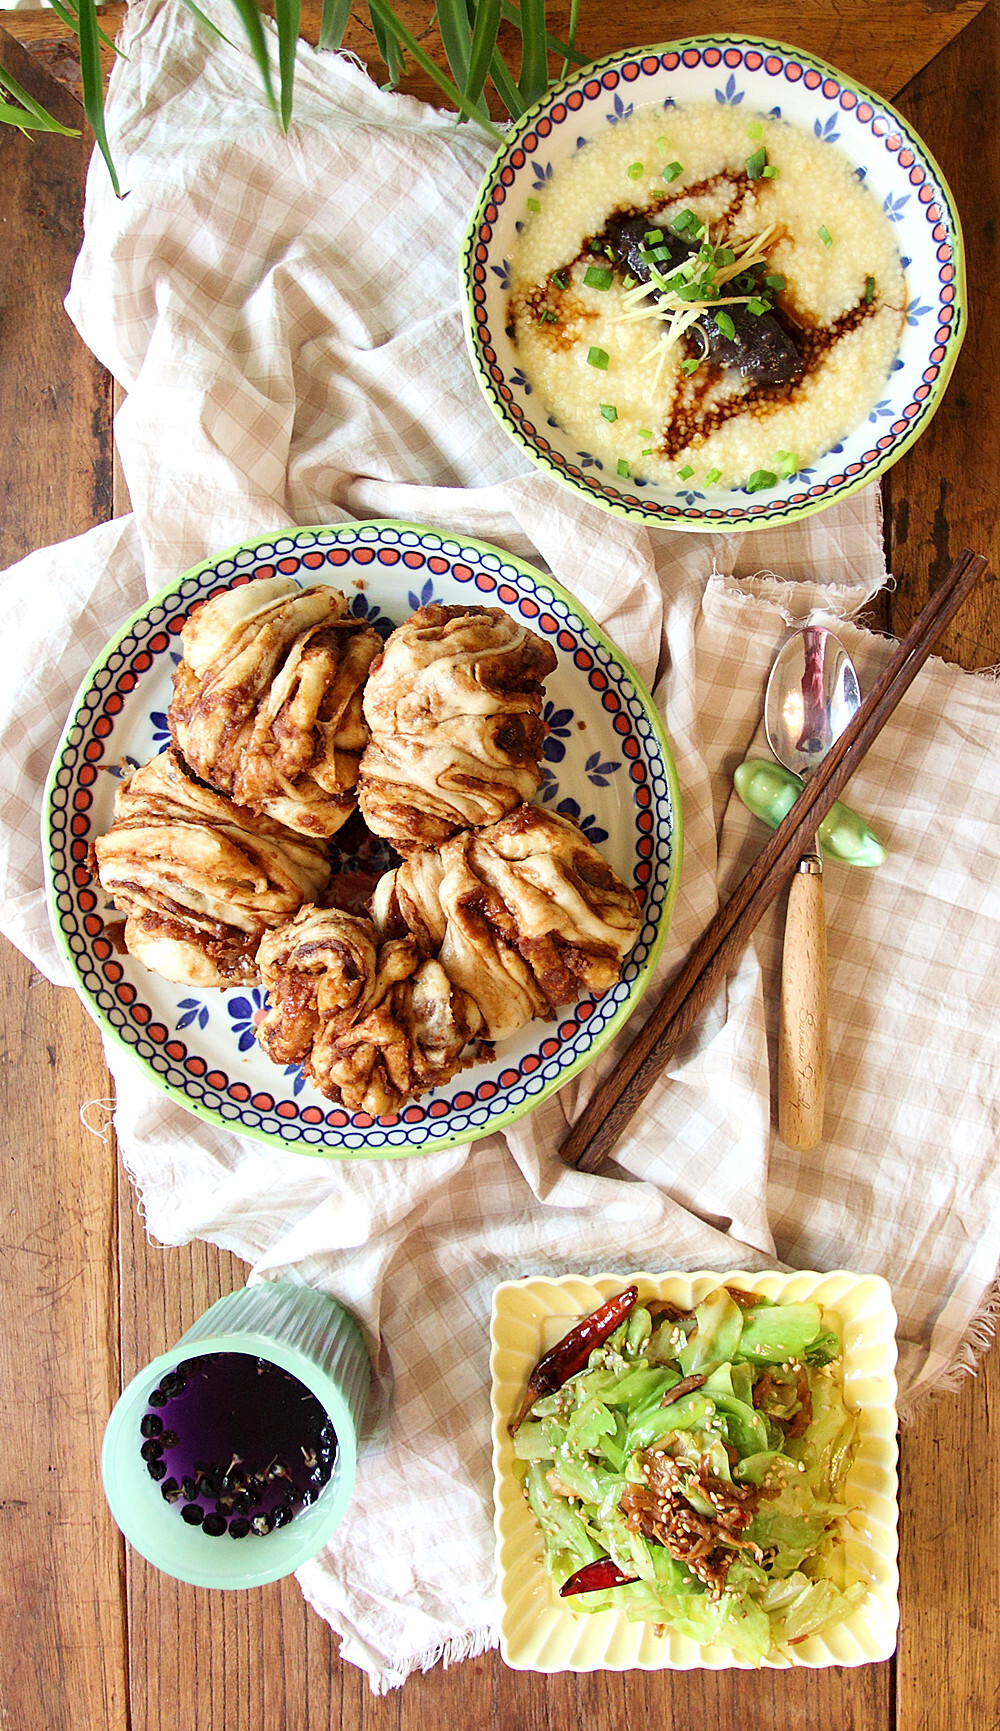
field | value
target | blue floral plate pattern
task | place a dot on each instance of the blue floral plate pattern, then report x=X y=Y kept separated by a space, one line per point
x=767 y=78
x=607 y=764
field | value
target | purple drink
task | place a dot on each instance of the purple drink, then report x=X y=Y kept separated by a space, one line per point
x=237 y=1444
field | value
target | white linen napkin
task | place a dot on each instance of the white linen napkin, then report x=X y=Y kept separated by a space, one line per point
x=284 y=314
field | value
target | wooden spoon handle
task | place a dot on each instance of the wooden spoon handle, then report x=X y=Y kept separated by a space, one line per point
x=802 y=1033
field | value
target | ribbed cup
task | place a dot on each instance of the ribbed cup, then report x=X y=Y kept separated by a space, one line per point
x=304 y=1332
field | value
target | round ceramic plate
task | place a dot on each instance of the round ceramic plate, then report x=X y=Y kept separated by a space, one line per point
x=759 y=77
x=606 y=763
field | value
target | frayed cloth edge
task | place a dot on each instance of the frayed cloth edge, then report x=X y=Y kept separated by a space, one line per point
x=979 y=1337
x=843 y=601
x=447 y=1653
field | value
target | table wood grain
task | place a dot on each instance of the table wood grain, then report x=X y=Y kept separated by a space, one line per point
x=95 y=1638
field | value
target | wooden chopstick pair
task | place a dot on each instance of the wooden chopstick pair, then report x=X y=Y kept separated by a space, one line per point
x=601 y=1123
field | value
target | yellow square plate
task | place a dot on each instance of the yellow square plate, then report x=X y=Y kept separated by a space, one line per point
x=539 y=1632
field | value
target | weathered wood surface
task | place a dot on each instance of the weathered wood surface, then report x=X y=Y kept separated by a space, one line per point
x=945 y=495
x=92 y=1636
x=55 y=420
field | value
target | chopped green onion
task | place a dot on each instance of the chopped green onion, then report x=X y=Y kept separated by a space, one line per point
x=630 y=282
x=756 y=163
x=652 y=235
x=597 y=279
x=663 y=141
x=609 y=411
x=559 y=278
x=725 y=324
x=685 y=473
x=724 y=255
x=769 y=172
x=825 y=235
x=691 y=365
x=760 y=479
x=713 y=476
x=684 y=221
x=757 y=307
x=547 y=317
x=647 y=451
x=622 y=467
x=644 y=433
x=533 y=204
x=635 y=171
x=609 y=252
x=775 y=282
x=598 y=358
x=869 y=290
x=672 y=170
x=787 y=463
x=755 y=129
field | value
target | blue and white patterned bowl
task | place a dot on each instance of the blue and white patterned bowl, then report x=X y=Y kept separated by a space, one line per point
x=606 y=763
x=768 y=78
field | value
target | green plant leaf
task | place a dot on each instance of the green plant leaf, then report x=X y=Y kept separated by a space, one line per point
x=453 y=23
x=26 y=122
x=30 y=116
x=388 y=47
x=286 y=16
x=333 y=22
x=250 y=19
x=484 y=41
x=70 y=17
x=202 y=18
x=93 y=83
x=534 y=61
x=472 y=110
x=505 y=87
x=574 y=19
x=67 y=13
x=510 y=15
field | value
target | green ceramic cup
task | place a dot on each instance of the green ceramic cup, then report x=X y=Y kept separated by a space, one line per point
x=302 y=1331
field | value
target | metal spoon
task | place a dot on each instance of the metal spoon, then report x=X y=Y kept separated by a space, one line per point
x=812 y=693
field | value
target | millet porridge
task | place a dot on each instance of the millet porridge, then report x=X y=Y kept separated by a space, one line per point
x=708 y=296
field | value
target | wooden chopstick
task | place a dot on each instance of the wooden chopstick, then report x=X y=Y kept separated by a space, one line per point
x=601 y=1123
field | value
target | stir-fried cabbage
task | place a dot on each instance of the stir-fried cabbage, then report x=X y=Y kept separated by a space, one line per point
x=723 y=1505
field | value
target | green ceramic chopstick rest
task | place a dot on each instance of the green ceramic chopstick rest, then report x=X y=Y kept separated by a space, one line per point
x=769 y=791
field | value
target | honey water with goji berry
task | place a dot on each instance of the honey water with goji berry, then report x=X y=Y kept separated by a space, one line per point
x=236 y=1444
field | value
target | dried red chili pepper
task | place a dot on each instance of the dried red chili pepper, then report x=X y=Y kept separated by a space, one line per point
x=573 y=1351
x=593 y=1576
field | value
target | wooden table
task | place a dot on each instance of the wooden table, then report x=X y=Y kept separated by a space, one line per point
x=93 y=1637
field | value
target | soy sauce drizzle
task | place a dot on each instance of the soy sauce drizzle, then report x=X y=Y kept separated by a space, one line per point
x=559 y=313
